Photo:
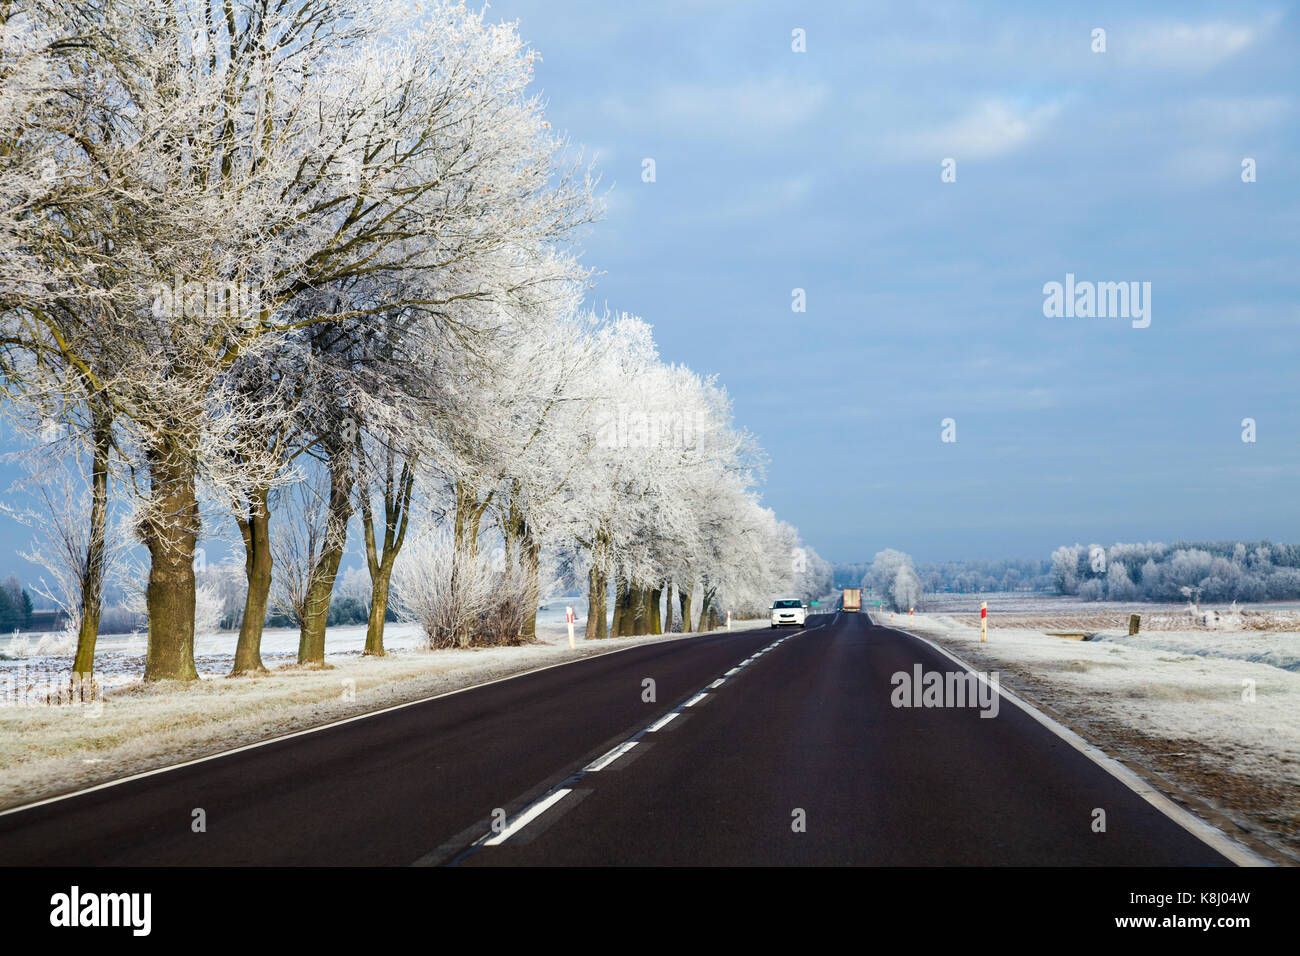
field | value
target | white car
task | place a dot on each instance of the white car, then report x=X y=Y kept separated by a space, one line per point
x=789 y=611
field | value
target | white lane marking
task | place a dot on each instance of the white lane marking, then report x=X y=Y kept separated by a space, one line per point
x=536 y=809
x=1206 y=832
x=602 y=762
x=658 y=724
x=332 y=723
x=527 y=817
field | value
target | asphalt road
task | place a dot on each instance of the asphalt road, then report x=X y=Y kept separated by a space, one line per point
x=796 y=757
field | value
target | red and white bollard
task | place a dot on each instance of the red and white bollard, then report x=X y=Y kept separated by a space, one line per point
x=568 y=619
x=984 y=622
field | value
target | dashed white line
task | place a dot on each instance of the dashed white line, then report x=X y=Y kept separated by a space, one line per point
x=658 y=724
x=527 y=817
x=535 y=810
x=603 y=762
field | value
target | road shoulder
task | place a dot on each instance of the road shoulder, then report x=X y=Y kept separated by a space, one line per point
x=1233 y=804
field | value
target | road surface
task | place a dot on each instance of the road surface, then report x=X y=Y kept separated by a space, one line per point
x=793 y=755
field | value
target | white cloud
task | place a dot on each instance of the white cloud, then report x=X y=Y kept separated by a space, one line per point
x=1194 y=46
x=1231 y=115
x=1203 y=166
x=992 y=128
x=758 y=107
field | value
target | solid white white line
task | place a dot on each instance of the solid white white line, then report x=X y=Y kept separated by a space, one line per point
x=527 y=817
x=661 y=721
x=602 y=762
x=1201 y=829
x=696 y=699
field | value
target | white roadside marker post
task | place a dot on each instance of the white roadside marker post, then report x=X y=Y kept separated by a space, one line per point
x=568 y=619
x=984 y=622
x=728 y=620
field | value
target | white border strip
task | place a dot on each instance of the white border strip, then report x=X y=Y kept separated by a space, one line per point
x=1204 y=831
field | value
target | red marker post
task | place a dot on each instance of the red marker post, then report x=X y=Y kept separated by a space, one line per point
x=568 y=619
x=984 y=622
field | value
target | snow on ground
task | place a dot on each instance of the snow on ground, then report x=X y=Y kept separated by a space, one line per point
x=47 y=749
x=34 y=664
x=1226 y=704
x=1279 y=649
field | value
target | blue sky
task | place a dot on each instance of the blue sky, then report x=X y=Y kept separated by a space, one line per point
x=820 y=170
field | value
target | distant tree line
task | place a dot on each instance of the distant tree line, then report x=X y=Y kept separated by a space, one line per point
x=970 y=576
x=1217 y=571
x=15 y=607
x=1202 y=570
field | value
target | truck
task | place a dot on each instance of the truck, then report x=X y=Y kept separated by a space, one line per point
x=852 y=600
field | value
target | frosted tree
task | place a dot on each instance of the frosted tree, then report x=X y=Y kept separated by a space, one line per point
x=893 y=576
x=258 y=157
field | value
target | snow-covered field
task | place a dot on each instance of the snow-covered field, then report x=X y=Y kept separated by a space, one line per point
x=34 y=664
x=47 y=749
x=1214 y=706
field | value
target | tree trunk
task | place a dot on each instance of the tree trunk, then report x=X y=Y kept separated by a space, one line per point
x=620 y=600
x=705 y=603
x=170 y=531
x=528 y=555
x=597 y=598
x=469 y=515
x=311 y=635
x=256 y=531
x=668 y=609
x=637 y=610
x=92 y=590
x=686 y=597
x=381 y=558
x=379 y=582
x=654 y=596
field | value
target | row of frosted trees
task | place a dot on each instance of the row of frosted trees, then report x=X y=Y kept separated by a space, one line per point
x=306 y=274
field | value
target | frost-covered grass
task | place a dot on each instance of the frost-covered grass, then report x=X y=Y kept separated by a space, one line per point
x=1280 y=649
x=51 y=749
x=1048 y=612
